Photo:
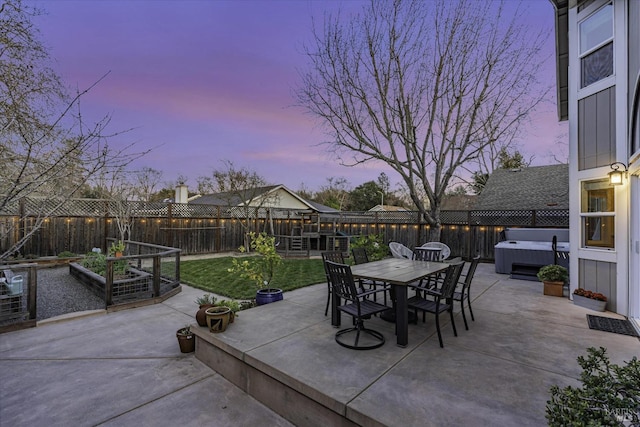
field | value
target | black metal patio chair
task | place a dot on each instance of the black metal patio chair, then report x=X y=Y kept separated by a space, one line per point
x=443 y=299
x=333 y=256
x=356 y=305
x=464 y=293
x=360 y=256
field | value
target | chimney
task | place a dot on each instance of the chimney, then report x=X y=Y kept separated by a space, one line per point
x=181 y=193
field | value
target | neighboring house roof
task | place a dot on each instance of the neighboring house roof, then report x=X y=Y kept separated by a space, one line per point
x=320 y=208
x=459 y=202
x=387 y=208
x=537 y=187
x=269 y=196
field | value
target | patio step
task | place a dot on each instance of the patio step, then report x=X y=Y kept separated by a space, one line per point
x=286 y=396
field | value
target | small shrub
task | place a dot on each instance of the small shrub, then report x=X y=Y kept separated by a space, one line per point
x=553 y=273
x=95 y=262
x=374 y=245
x=206 y=299
x=66 y=254
x=98 y=264
x=233 y=305
x=610 y=394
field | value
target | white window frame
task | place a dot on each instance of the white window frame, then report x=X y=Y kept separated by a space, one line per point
x=599 y=214
x=608 y=80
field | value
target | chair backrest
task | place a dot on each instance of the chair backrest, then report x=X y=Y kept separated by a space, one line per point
x=445 y=251
x=359 y=255
x=398 y=250
x=333 y=256
x=344 y=286
x=426 y=254
x=451 y=280
x=472 y=270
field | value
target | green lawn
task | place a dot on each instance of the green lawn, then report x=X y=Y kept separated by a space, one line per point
x=211 y=275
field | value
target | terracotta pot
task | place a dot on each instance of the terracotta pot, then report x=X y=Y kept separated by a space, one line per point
x=554 y=289
x=201 y=316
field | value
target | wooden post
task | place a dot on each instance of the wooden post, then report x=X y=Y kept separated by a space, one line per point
x=156 y=276
x=108 y=287
x=32 y=278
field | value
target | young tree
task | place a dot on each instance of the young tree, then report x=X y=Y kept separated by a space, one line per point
x=423 y=86
x=48 y=152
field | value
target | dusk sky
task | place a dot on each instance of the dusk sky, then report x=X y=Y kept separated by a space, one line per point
x=205 y=81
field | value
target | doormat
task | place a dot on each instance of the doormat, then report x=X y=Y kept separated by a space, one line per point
x=608 y=324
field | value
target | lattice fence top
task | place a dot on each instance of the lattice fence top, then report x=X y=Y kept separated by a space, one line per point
x=105 y=208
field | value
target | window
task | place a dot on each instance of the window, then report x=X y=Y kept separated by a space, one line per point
x=597 y=214
x=596 y=46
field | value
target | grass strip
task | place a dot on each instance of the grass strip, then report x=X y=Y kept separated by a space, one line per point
x=211 y=275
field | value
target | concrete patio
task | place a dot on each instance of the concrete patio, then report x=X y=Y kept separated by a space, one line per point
x=125 y=368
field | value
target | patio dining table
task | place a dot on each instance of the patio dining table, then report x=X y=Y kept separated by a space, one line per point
x=398 y=272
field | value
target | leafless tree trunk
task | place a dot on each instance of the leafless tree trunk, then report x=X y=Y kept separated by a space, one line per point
x=422 y=86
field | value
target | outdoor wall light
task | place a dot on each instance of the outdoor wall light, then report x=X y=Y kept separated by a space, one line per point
x=615 y=176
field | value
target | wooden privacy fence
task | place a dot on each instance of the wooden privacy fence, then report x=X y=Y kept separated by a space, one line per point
x=197 y=229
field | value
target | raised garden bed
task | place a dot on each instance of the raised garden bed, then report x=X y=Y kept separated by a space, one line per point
x=136 y=284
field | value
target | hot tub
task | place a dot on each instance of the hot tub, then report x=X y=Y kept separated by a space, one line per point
x=526 y=250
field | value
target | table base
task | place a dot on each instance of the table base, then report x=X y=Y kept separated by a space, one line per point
x=390 y=316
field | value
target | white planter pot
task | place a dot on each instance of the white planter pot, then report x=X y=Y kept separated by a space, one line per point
x=592 y=304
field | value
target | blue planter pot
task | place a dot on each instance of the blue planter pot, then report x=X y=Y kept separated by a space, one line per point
x=266 y=296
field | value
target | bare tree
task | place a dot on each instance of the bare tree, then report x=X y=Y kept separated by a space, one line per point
x=423 y=86
x=242 y=190
x=145 y=182
x=335 y=193
x=48 y=152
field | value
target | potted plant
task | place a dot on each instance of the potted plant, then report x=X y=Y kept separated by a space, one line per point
x=553 y=277
x=234 y=306
x=186 y=339
x=204 y=302
x=589 y=299
x=218 y=318
x=117 y=248
x=260 y=269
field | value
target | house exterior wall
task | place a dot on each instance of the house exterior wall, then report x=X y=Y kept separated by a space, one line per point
x=599 y=132
x=599 y=276
x=282 y=199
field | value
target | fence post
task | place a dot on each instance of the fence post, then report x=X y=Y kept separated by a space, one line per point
x=33 y=292
x=177 y=274
x=471 y=249
x=156 y=276
x=108 y=286
x=169 y=226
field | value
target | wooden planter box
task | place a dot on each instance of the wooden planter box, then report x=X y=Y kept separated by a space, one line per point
x=554 y=289
x=591 y=304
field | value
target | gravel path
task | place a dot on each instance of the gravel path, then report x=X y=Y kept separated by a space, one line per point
x=59 y=293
